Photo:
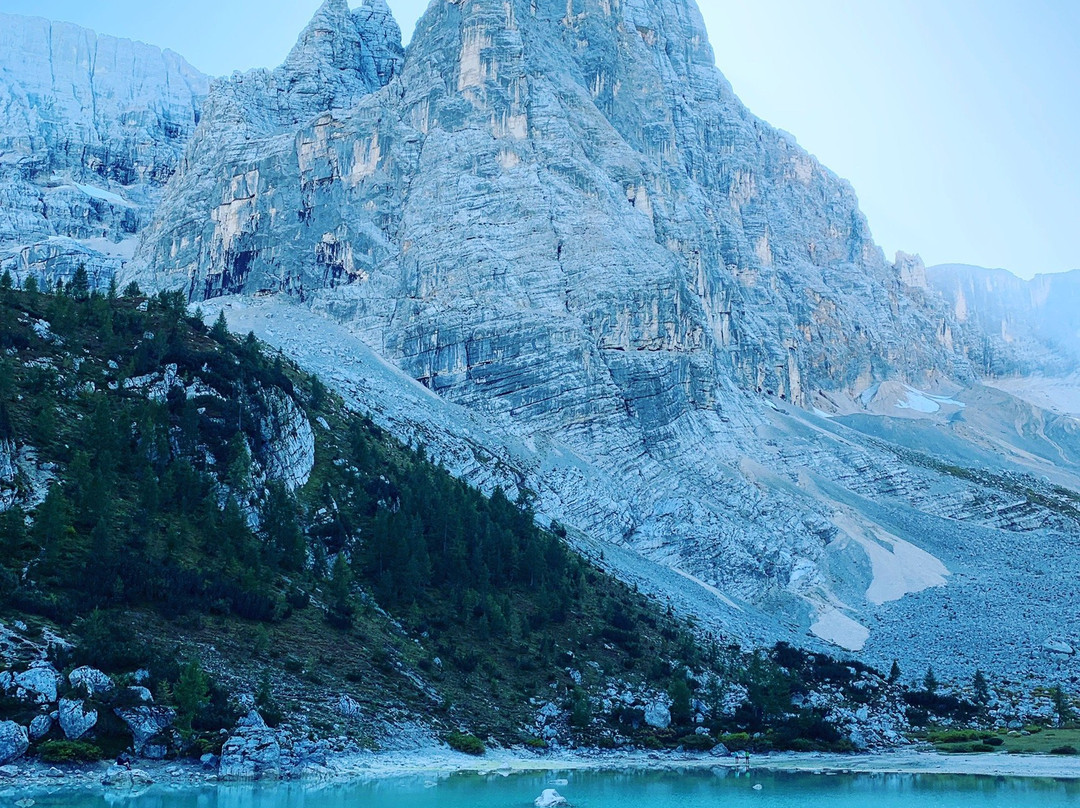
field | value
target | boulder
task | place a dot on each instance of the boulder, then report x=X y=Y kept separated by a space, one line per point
x=140 y=694
x=549 y=799
x=13 y=741
x=40 y=727
x=39 y=682
x=145 y=722
x=9 y=771
x=349 y=707
x=1058 y=646
x=123 y=777
x=251 y=754
x=94 y=681
x=657 y=715
x=75 y=719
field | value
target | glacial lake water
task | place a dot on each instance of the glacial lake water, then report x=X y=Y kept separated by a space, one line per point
x=644 y=789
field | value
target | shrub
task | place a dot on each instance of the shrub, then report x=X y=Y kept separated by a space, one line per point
x=954 y=736
x=982 y=747
x=536 y=743
x=463 y=742
x=698 y=743
x=995 y=741
x=69 y=752
x=736 y=741
x=1063 y=750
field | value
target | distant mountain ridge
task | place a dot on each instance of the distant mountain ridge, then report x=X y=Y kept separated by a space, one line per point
x=91 y=128
x=1029 y=325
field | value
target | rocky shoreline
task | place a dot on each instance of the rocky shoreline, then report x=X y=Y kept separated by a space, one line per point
x=29 y=777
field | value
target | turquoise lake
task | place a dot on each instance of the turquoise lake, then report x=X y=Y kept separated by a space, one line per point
x=667 y=789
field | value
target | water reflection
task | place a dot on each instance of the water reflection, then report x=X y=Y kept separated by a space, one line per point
x=649 y=789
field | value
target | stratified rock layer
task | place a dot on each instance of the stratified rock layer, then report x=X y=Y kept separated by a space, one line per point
x=624 y=294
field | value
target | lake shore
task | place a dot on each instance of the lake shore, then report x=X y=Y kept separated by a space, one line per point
x=30 y=777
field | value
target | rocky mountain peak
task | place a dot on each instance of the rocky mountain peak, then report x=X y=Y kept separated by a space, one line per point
x=342 y=54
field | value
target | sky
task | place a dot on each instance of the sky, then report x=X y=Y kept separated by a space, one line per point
x=955 y=120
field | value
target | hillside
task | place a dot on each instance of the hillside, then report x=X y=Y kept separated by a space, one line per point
x=187 y=514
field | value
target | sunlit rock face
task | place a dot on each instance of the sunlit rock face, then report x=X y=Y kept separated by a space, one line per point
x=624 y=293
x=91 y=128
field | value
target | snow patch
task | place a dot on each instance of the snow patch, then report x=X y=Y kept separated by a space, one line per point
x=832 y=625
x=94 y=192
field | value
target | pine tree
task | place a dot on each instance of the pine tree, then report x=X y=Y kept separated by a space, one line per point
x=220 y=329
x=79 y=287
x=6 y=283
x=283 y=534
x=894 y=672
x=30 y=285
x=192 y=694
x=132 y=290
x=1062 y=705
x=930 y=682
x=981 y=688
x=338 y=592
x=113 y=292
x=679 y=691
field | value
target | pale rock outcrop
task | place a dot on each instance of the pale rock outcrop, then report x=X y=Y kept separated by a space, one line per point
x=39 y=682
x=95 y=682
x=657 y=715
x=13 y=741
x=288 y=441
x=146 y=723
x=251 y=754
x=75 y=719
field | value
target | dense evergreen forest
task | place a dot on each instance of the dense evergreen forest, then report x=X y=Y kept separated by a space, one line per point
x=150 y=521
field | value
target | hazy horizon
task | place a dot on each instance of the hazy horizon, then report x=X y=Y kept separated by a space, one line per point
x=953 y=122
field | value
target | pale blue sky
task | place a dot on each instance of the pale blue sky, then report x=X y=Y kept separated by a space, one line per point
x=955 y=120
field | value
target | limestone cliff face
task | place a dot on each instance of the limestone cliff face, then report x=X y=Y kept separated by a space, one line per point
x=581 y=174
x=90 y=129
x=560 y=216
x=1019 y=326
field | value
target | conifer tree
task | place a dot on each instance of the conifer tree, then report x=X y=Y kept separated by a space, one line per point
x=894 y=672
x=220 y=329
x=930 y=682
x=981 y=688
x=79 y=287
x=30 y=285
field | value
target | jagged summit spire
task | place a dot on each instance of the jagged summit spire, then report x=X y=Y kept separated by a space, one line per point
x=331 y=39
x=342 y=55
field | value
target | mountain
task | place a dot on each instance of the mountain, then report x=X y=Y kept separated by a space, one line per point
x=1028 y=325
x=219 y=544
x=547 y=243
x=620 y=290
x=91 y=128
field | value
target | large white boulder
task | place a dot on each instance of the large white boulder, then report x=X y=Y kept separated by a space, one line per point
x=94 y=681
x=251 y=754
x=550 y=798
x=145 y=722
x=13 y=741
x=40 y=727
x=39 y=682
x=657 y=715
x=75 y=719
